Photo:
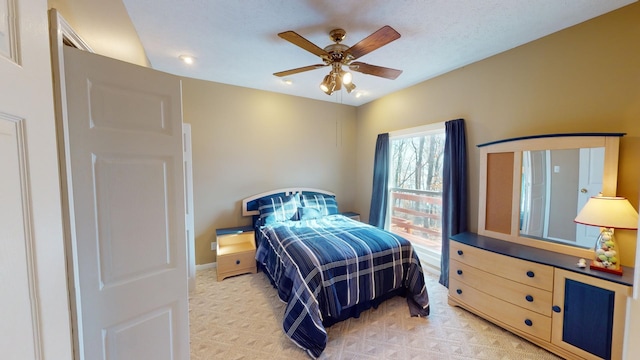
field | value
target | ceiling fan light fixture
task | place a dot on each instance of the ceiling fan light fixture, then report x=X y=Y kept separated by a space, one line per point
x=327 y=85
x=350 y=86
x=346 y=77
x=338 y=55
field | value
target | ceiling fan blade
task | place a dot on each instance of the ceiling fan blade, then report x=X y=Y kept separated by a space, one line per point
x=375 y=70
x=381 y=37
x=296 y=39
x=299 y=70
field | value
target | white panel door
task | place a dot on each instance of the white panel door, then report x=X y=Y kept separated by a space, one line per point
x=188 y=197
x=590 y=175
x=129 y=247
x=34 y=303
x=17 y=307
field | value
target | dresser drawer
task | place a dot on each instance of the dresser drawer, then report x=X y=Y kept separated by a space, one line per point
x=498 y=310
x=522 y=271
x=525 y=296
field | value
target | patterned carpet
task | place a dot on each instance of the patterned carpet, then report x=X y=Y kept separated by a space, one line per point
x=240 y=318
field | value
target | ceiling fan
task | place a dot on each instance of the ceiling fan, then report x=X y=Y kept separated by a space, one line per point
x=336 y=55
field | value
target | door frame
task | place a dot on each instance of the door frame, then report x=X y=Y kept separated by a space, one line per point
x=60 y=32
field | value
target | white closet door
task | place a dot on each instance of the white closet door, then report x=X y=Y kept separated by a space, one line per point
x=129 y=248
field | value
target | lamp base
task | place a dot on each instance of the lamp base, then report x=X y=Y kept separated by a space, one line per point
x=604 y=269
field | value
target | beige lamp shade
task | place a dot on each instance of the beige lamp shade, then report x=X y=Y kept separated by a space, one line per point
x=610 y=212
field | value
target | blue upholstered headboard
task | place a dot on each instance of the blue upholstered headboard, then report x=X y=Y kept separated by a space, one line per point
x=250 y=204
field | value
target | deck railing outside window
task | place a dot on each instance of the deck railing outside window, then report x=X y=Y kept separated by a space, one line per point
x=416 y=215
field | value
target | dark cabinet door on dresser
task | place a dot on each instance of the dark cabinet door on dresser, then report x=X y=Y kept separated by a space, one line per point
x=588 y=315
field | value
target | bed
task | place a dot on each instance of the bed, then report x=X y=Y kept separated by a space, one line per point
x=328 y=267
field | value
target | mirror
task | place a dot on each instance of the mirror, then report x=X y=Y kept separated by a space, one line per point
x=555 y=185
x=524 y=207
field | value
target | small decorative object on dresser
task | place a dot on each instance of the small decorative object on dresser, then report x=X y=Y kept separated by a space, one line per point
x=236 y=251
x=609 y=213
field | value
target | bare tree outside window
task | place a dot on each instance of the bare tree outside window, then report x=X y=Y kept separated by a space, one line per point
x=416 y=189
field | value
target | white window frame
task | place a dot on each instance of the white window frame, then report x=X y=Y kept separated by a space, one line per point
x=427 y=257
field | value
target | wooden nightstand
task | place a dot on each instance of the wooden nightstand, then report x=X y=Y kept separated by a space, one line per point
x=236 y=251
x=351 y=214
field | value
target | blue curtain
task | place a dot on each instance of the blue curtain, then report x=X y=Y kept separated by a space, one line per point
x=379 y=193
x=454 y=190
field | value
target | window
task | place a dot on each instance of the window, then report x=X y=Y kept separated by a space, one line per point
x=415 y=181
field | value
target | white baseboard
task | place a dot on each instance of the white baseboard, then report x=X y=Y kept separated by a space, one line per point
x=206 y=266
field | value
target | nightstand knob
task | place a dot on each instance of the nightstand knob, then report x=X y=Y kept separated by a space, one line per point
x=459 y=291
x=528 y=322
x=556 y=308
x=237 y=262
x=459 y=272
x=530 y=274
x=529 y=298
x=460 y=252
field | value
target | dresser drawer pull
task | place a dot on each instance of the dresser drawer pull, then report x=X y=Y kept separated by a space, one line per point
x=529 y=298
x=530 y=274
x=237 y=262
x=460 y=252
x=556 y=308
x=459 y=291
x=528 y=322
x=459 y=272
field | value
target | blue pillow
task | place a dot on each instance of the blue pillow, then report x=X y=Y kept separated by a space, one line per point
x=324 y=204
x=278 y=208
x=307 y=213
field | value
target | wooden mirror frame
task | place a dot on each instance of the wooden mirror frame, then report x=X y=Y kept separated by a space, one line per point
x=500 y=179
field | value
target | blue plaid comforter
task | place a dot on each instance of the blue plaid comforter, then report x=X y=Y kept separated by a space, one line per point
x=323 y=266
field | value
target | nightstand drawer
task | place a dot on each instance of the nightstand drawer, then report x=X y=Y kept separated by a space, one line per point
x=237 y=261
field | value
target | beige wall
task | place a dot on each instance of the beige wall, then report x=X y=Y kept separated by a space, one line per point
x=583 y=79
x=249 y=141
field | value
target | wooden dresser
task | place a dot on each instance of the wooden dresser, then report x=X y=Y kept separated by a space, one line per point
x=540 y=295
x=520 y=270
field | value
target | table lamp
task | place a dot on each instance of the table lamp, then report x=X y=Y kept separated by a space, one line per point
x=608 y=212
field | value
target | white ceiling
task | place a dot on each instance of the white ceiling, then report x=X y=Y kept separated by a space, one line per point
x=236 y=42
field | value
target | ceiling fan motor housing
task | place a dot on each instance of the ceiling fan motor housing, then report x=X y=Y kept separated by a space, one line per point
x=337 y=35
x=336 y=53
